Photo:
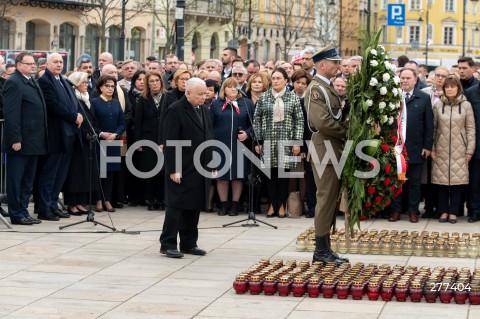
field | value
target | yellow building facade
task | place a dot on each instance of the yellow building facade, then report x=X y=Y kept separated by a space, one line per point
x=450 y=33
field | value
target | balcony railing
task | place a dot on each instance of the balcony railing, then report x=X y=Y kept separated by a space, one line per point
x=69 y=5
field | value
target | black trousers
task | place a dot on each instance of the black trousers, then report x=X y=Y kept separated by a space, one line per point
x=474 y=186
x=277 y=189
x=181 y=222
x=154 y=188
x=20 y=175
x=414 y=176
x=311 y=188
x=429 y=190
x=449 y=199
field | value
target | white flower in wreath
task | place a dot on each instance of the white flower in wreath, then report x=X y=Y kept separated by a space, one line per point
x=381 y=47
x=397 y=105
x=383 y=119
x=383 y=90
x=373 y=81
x=393 y=67
x=369 y=120
x=385 y=77
x=373 y=63
x=394 y=91
x=400 y=91
x=382 y=105
x=392 y=106
x=373 y=52
x=396 y=80
x=390 y=120
x=369 y=102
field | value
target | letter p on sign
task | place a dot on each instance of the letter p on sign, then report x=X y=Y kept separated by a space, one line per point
x=396 y=14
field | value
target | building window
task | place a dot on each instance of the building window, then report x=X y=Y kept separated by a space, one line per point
x=448 y=35
x=474 y=7
x=91 y=41
x=266 y=50
x=415 y=5
x=213 y=46
x=414 y=36
x=267 y=5
x=135 y=44
x=4 y=34
x=114 y=41
x=449 y=5
x=430 y=32
x=384 y=34
x=67 y=42
x=383 y=5
x=30 y=38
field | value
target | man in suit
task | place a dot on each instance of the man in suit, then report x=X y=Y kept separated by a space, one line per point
x=466 y=66
x=473 y=96
x=414 y=66
x=104 y=59
x=419 y=142
x=307 y=61
x=25 y=136
x=239 y=73
x=128 y=70
x=64 y=118
x=85 y=65
x=171 y=66
x=323 y=108
x=187 y=190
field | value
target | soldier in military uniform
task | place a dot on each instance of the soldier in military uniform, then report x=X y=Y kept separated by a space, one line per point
x=324 y=113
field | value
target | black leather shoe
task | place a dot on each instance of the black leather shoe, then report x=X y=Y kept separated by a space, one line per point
x=337 y=257
x=23 y=221
x=117 y=205
x=194 y=251
x=59 y=213
x=48 y=216
x=72 y=213
x=323 y=253
x=171 y=253
x=474 y=217
x=3 y=212
x=34 y=220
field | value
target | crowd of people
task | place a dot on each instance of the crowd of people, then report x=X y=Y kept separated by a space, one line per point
x=51 y=118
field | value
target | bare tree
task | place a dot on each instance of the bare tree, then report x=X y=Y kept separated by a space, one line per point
x=108 y=13
x=236 y=12
x=294 y=25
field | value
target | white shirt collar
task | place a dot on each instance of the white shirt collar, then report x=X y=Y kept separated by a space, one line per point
x=323 y=78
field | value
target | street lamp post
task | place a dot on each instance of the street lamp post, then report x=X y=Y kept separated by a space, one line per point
x=180 y=24
x=332 y=3
x=121 y=49
x=249 y=42
x=463 y=27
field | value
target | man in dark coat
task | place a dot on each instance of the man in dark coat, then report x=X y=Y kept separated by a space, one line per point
x=419 y=142
x=64 y=118
x=466 y=66
x=473 y=96
x=25 y=136
x=187 y=190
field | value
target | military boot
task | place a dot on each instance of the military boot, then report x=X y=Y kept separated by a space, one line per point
x=323 y=252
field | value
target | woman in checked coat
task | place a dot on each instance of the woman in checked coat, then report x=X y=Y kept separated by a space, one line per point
x=453 y=147
x=278 y=119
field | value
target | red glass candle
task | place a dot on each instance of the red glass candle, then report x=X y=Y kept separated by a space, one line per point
x=328 y=288
x=401 y=291
x=240 y=285
x=474 y=295
x=460 y=296
x=343 y=289
x=284 y=286
x=269 y=286
x=255 y=285
x=313 y=287
x=357 y=290
x=431 y=293
x=446 y=295
x=373 y=290
x=386 y=292
x=416 y=292
x=298 y=287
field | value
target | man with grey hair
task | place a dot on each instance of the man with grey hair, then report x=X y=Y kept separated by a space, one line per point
x=210 y=65
x=187 y=190
x=216 y=76
x=104 y=59
x=219 y=65
x=155 y=66
x=239 y=73
x=307 y=61
x=129 y=67
x=354 y=64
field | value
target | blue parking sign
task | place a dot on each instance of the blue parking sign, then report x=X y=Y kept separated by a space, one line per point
x=396 y=14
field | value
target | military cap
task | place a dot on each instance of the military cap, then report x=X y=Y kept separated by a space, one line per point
x=328 y=53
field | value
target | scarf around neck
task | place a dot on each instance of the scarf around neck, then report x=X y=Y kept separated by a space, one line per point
x=279 y=106
x=83 y=97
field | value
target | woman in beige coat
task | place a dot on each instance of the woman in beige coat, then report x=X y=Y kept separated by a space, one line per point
x=454 y=144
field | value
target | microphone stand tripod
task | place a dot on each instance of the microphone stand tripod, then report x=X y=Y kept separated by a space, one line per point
x=251 y=212
x=92 y=137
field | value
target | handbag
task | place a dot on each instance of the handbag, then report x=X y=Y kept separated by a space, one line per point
x=294 y=205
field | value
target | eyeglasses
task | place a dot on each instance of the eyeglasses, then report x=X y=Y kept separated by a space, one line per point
x=238 y=74
x=129 y=68
x=154 y=81
x=110 y=87
x=29 y=64
x=443 y=76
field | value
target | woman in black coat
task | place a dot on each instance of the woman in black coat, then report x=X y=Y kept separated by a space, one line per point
x=179 y=79
x=231 y=119
x=135 y=185
x=146 y=122
x=77 y=185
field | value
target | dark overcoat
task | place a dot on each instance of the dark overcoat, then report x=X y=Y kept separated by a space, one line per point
x=225 y=129
x=182 y=123
x=62 y=111
x=25 y=116
x=78 y=178
x=473 y=96
x=419 y=126
x=147 y=117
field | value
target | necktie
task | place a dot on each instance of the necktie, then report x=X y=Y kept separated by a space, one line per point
x=199 y=113
x=407 y=96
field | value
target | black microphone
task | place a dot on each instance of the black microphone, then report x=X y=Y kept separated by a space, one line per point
x=239 y=89
x=239 y=129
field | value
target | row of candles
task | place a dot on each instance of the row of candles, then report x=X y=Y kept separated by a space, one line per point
x=393 y=242
x=358 y=280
